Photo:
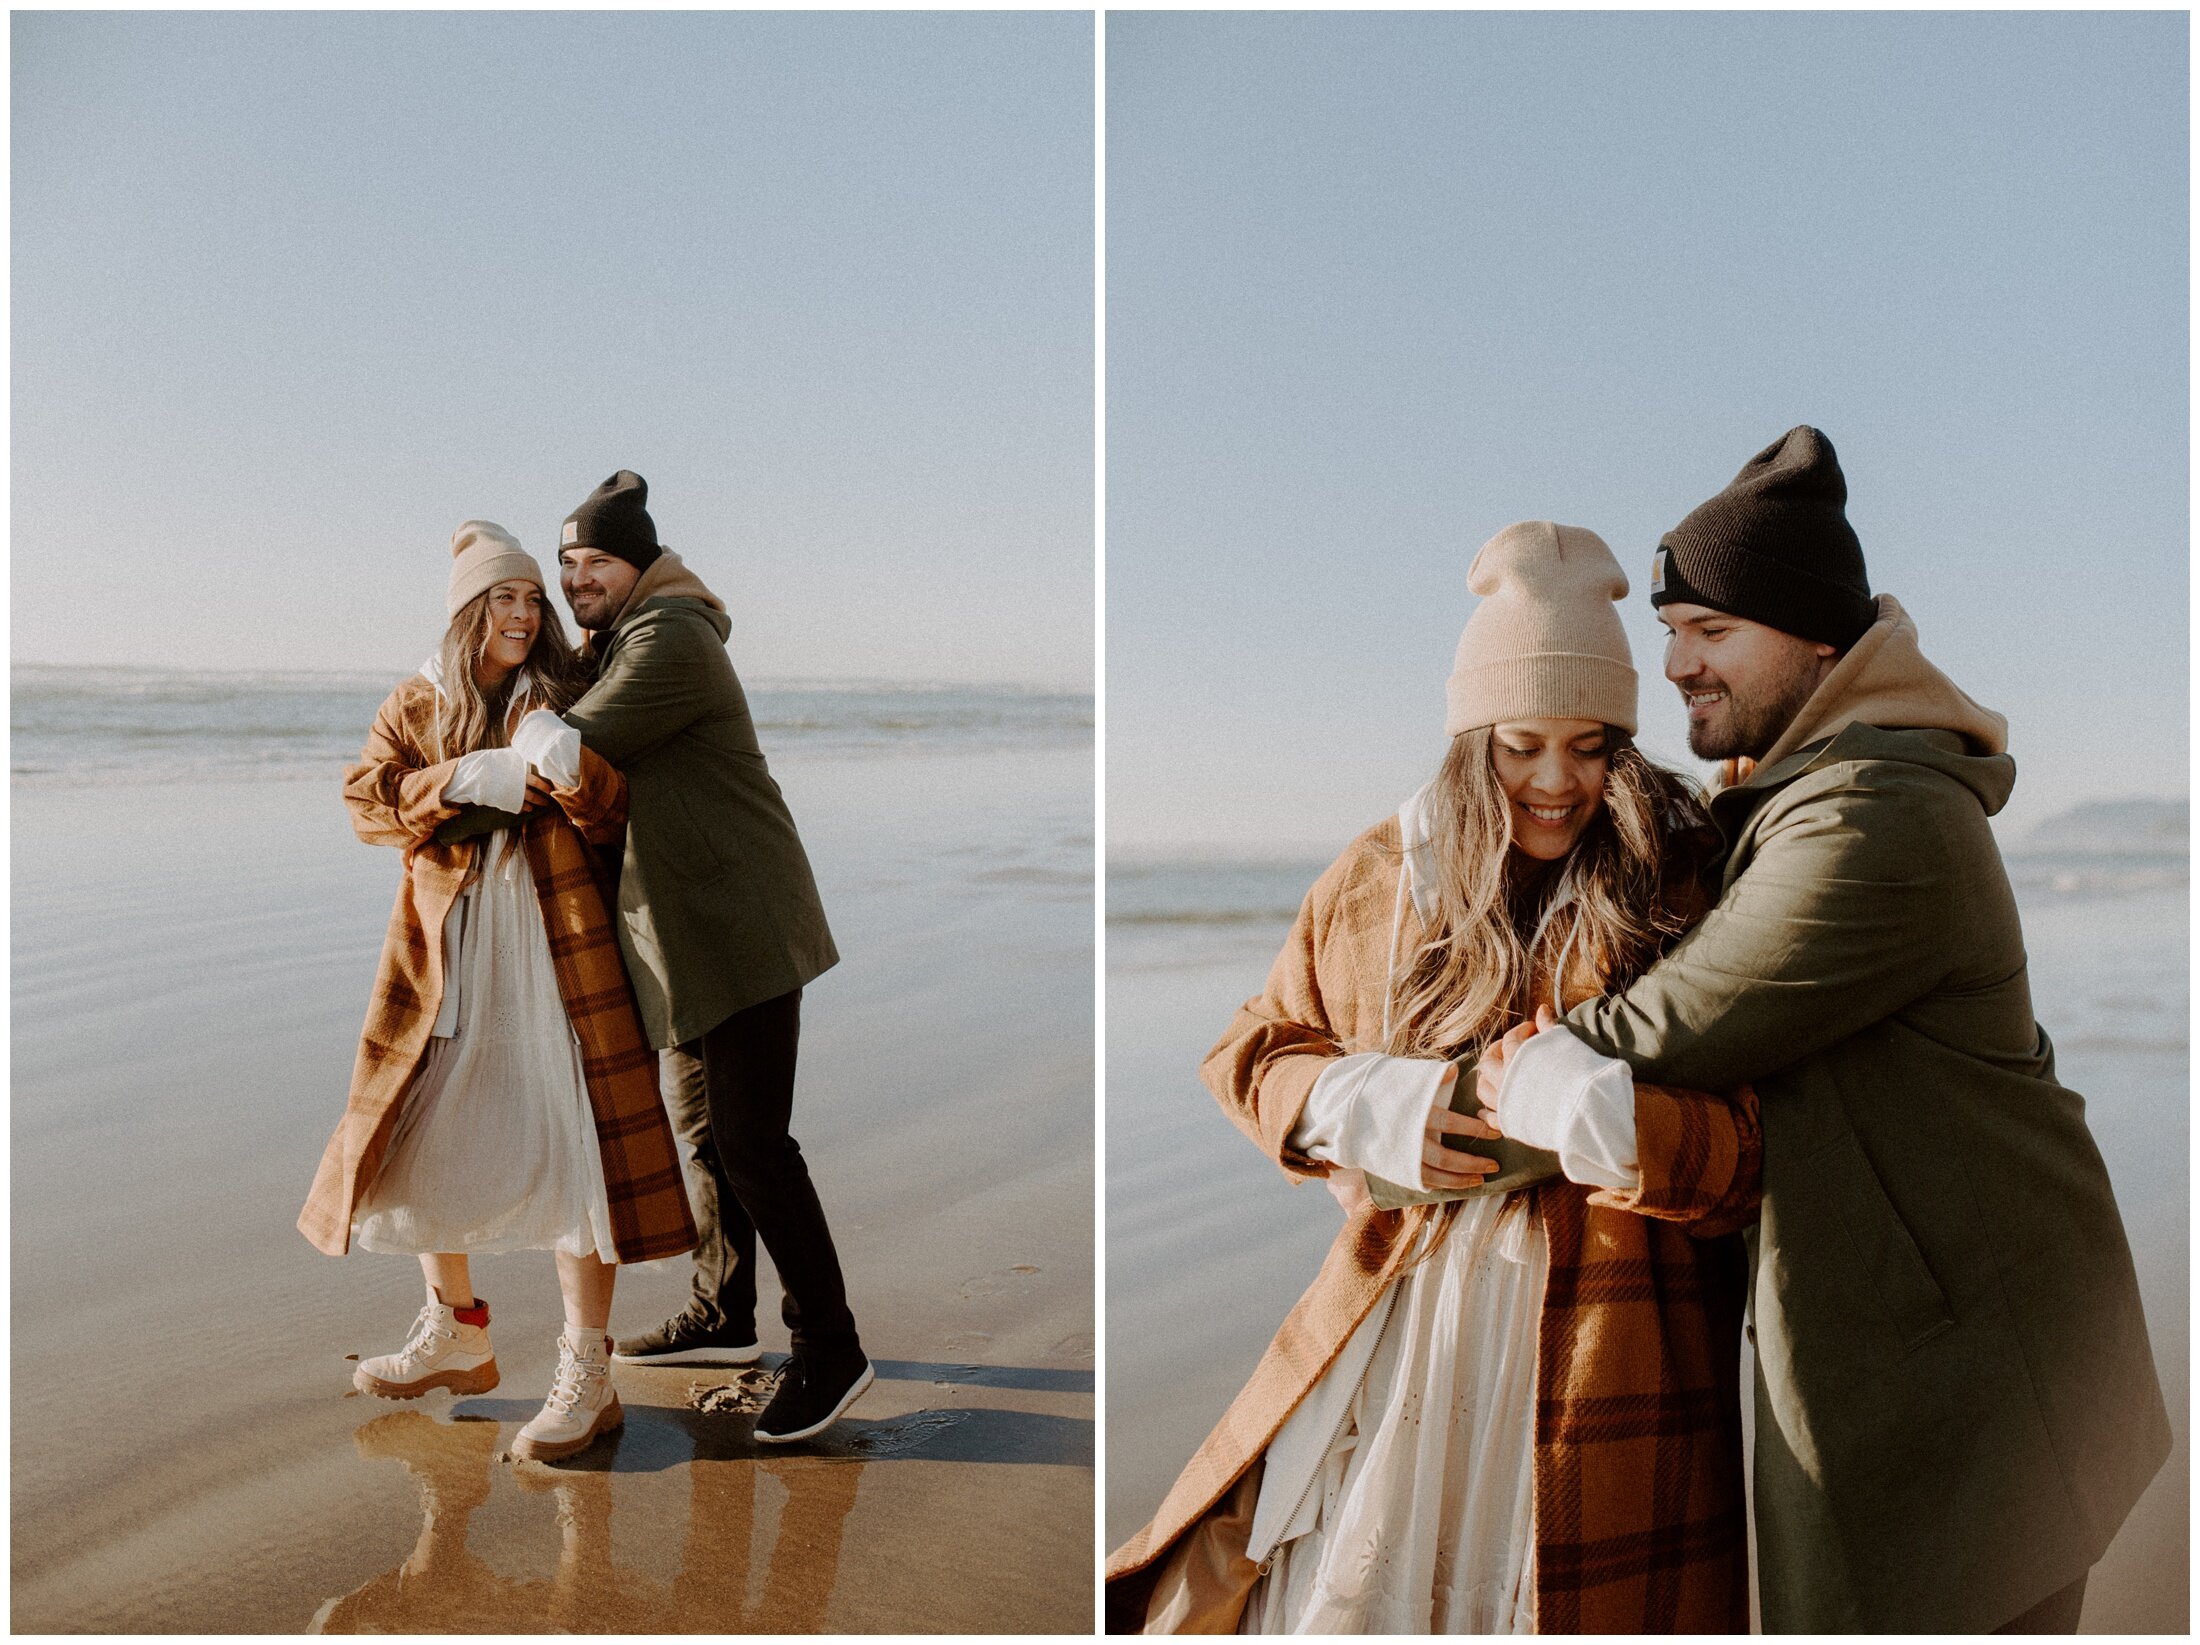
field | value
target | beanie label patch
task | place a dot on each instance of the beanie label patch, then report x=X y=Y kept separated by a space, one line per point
x=1657 y=572
x=572 y=533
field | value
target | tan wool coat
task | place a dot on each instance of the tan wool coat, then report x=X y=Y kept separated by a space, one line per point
x=1638 y=1449
x=395 y=793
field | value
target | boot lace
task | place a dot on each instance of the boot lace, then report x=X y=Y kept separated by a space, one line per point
x=425 y=1341
x=574 y=1379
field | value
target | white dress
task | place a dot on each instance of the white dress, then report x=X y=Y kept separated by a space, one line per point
x=496 y=1148
x=1399 y=1497
x=1422 y=1517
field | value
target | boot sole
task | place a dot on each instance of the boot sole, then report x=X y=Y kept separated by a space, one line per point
x=608 y=1420
x=849 y=1398
x=695 y=1356
x=479 y=1380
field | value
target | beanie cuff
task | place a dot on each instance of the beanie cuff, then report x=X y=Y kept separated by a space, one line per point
x=1728 y=577
x=1547 y=685
x=472 y=576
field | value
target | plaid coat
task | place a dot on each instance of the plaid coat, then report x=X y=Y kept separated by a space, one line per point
x=395 y=796
x=1639 y=1514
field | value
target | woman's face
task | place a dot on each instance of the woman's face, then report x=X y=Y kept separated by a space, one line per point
x=515 y=618
x=1552 y=772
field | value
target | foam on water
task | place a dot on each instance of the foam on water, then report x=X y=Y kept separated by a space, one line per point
x=80 y=727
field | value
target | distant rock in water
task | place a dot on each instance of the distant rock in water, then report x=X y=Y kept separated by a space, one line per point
x=2115 y=828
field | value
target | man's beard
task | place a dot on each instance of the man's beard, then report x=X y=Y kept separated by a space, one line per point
x=605 y=614
x=1753 y=723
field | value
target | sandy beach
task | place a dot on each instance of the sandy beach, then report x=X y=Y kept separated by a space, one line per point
x=1208 y=1245
x=191 y=967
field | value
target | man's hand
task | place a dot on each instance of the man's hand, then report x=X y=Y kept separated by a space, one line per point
x=538 y=792
x=1349 y=1189
x=1443 y=1167
x=1489 y=1074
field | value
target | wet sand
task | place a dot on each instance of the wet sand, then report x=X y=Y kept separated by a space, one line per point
x=1208 y=1245
x=191 y=967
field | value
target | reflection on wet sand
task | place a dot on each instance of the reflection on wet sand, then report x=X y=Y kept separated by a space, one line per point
x=442 y=1588
x=762 y=1544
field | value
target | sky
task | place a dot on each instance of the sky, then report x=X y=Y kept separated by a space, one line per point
x=297 y=293
x=1381 y=284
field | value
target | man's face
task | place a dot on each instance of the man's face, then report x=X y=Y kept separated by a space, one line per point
x=596 y=585
x=1743 y=682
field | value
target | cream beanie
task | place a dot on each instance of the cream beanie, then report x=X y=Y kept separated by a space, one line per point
x=1546 y=641
x=484 y=555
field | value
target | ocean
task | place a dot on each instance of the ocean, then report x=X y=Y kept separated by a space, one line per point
x=75 y=727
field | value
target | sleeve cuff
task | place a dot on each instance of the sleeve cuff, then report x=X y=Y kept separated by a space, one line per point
x=489 y=776
x=1561 y=1095
x=549 y=745
x=1369 y=1112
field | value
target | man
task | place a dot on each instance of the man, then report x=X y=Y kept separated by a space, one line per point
x=722 y=928
x=1956 y=1402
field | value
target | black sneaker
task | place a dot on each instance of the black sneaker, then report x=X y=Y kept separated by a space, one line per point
x=685 y=1339
x=813 y=1390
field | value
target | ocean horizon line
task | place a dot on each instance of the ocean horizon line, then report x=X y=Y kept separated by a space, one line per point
x=852 y=684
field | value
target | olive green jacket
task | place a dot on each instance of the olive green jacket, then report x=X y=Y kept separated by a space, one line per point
x=1956 y=1401
x=717 y=906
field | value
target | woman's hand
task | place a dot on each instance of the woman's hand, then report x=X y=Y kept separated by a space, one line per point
x=1443 y=1167
x=1489 y=1074
x=1349 y=1189
x=538 y=792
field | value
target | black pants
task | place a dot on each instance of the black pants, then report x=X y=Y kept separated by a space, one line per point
x=732 y=1095
x=2056 y=1614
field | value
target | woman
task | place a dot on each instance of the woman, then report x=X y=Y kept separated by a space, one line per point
x=1512 y=1409
x=504 y=1097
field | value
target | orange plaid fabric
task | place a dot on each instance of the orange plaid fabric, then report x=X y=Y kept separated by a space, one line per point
x=1638 y=1459
x=395 y=797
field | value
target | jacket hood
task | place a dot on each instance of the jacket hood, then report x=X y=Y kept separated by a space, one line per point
x=1885 y=681
x=1417 y=868
x=1884 y=701
x=1419 y=861
x=668 y=578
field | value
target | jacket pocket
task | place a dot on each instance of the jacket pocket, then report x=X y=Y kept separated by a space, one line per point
x=702 y=858
x=1885 y=1253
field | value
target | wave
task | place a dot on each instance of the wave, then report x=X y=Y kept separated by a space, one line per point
x=1219 y=891
x=2093 y=874
x=1208 y=892
x=97 y=727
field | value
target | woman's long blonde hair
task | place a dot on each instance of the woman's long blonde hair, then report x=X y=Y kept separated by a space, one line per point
x=1469 y=978
x=468 y=718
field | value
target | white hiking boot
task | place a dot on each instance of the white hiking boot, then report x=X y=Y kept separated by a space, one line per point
x=582 y=1406
x=448 y=1348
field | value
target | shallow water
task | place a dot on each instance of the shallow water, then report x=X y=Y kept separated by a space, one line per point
x=77 y=726
x=191 y=965
x=1208 y=1244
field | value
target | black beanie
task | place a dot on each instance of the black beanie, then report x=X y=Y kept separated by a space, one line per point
x=615 y=520
x=1774 y=547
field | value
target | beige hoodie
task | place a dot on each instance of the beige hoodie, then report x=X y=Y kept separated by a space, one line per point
x=1885 y=681
x=665 y=578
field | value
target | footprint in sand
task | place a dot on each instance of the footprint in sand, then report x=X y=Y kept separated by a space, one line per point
x=1074 y=1349
x=986 y=1285
x=901 y=1435
x=747 y=1394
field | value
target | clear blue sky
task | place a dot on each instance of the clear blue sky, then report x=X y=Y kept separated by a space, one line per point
x=1381 y=284
x=296 y=293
